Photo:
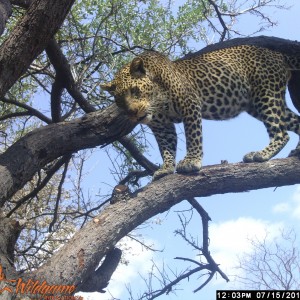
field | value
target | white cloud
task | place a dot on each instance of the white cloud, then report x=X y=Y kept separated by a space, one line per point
x=283 y=207
x=233 y=238
x=138 y=262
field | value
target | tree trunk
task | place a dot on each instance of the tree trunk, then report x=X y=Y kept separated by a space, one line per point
x=29 y=38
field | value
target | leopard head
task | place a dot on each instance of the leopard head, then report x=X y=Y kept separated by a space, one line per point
x=138 y=87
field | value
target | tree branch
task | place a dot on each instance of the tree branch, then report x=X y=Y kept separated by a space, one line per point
x=44 y=18
x=23 y=159
x=222 y=22
x=99 y=279
x=5 y=13
x=56 y=93
x=9 y=231
x=135 y=152
x=98 y=236
x=50 y=172
x=59 y=192
x=63 y=71
x=30 y=110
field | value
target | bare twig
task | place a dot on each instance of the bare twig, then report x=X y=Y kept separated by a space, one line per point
x=205 y=250
x=50 y=172
x=135 y=152
x=222 y=22
x=59 y=192
x=30 y=111
x=56 y=92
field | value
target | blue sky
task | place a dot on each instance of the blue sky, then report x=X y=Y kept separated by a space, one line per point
x=235 y=217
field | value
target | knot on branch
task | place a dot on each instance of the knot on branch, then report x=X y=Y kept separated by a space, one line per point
x=120 y=193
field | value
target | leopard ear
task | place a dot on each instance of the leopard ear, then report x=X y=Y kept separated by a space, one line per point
x=109 y=87
x=137 y=68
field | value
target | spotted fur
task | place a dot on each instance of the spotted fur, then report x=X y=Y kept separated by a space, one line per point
x=218 y=85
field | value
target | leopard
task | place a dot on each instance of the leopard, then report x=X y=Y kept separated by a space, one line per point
x=218 y=85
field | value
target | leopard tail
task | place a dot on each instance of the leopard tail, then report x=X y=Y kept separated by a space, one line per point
x=294 y=81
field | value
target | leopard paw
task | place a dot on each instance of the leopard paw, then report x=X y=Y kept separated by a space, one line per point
x=162 y=172
x=189 y=165
x=258 y=156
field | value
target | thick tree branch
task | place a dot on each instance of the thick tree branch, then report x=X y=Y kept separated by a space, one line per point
x=9 y=233
x=5 y=12
x=101 y=234
x=56 y=93
x=44 y=18
x=23 y=159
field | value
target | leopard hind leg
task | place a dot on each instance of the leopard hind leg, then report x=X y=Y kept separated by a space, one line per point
x=270 y=108
x=293 y=124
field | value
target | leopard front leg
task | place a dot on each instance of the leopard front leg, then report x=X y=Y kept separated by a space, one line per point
x=166 y=138
x=192 y=121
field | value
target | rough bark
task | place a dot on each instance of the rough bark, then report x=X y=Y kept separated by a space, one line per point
x=29 y=38
x=5 y=12
x=98 y=280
